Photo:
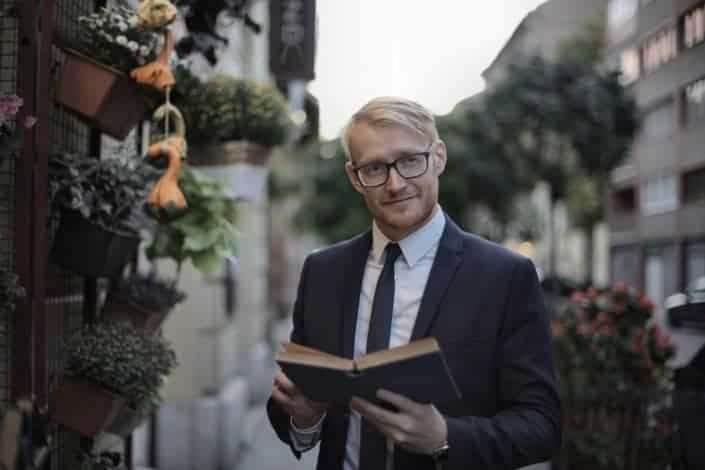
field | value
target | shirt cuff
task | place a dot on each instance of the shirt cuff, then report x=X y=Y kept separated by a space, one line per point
x=304 y=439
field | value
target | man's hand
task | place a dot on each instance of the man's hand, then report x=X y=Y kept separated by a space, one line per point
x=415 y=427
x=303 y=411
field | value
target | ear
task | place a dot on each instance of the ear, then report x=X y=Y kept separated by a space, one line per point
x=440 y=157
x=349 y=170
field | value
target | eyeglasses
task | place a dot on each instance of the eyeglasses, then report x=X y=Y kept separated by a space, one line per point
x=411 y=165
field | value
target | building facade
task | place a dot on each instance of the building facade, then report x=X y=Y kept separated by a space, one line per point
x=657 y=202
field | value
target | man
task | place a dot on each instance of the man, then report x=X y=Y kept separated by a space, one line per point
x=416 y=274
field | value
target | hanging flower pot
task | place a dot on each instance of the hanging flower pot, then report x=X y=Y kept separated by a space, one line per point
x=83 y=406
x=89 y=249
x=227 y=153
x=126 y=421
x=104 y=97
x=118 y=308
x=143 y=301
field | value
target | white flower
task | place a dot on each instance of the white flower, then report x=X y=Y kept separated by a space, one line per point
x=99 y=23
x=122 y=40
x=105 y=35
x=144 y=51
x=133 y=46
x=122 y=26
x=132 y=21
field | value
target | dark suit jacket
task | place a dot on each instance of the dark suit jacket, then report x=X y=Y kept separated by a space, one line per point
x=484 y=306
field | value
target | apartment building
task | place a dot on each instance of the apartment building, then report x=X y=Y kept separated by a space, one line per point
x=657 y=203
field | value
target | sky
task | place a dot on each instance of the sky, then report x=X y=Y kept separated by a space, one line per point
x=429 y=51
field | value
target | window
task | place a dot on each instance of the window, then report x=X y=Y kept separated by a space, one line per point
x=694 y=100
x=630 y=65
x=694 y=186
x=624 y=200
x=694 y=26
x=620 y=11
x=659 y=49
x=659 y=122
x=659 y=194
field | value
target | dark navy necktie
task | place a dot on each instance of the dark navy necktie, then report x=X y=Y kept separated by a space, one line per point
x=373 y=445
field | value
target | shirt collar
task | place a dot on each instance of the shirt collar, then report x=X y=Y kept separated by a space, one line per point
x=416 y=244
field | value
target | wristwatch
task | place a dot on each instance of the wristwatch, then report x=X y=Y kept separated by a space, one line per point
x=440 y=455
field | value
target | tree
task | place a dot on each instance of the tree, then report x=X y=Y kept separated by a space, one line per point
x=473 y=178
x=563 y=120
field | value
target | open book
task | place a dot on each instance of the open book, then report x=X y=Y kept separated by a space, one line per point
x=417 y=370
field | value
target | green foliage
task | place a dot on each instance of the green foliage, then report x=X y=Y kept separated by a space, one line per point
x=587 y=46
x=330 y=207
x=8 y=291
x=116 y=356
x=206 y=233
x=226 y=108
x=106 y=192
x=606 y=345
x=611 y=360
x=111 y=36
x=105 y=460
x=150 y=292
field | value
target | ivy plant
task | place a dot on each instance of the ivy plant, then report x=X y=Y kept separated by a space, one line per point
x=105 y=191
x=206 y=233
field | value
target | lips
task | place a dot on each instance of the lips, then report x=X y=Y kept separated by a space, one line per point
x=398 y=201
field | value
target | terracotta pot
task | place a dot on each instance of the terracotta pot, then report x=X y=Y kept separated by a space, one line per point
x=126 y=421
x=118 y=308
x=90 y=250
x=227 y=153
x=83 y=406
x=104 y=97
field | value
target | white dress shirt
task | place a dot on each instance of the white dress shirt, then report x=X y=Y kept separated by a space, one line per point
x=411 y=271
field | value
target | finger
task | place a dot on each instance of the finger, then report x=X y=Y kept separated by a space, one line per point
x=373 y=412
x=282 y=399
x=286 y=385
x=400 y=401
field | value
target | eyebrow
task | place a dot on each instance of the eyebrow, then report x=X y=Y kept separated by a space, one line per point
x=399 y=154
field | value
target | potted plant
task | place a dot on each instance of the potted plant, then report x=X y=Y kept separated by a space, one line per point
x=94 y=79
x=112 y=371
x=611 y=360
x=144 y=301
x=105 y=460
x=230 y=119
x=9 y=292
x=96 y=200
x=206 y=233
x=10 y=130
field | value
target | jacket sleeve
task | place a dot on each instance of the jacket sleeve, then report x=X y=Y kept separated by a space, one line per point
x=278 y=417
x=527 y=428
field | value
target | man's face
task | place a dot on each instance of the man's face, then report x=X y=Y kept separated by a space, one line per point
x=400 y=205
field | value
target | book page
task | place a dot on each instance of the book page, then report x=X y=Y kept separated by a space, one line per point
x=413 y=349
x=315 y=359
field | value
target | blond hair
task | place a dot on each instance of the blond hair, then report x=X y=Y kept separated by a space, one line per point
x=388 y=111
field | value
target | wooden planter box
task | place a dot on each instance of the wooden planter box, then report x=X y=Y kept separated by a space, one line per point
x=104 y=97
x=83 y=406
x=228 y=153
x=117 y=308
x=90 y=250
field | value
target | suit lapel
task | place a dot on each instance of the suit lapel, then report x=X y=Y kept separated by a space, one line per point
x=444 y=267
x=352 y=285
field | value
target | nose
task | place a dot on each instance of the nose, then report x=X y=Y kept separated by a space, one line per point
x=395 y=180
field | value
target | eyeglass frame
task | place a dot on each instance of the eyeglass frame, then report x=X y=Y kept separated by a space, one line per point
x=426 y=154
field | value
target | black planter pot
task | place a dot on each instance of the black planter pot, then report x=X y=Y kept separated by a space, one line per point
x=690 y=315
x=90 y=250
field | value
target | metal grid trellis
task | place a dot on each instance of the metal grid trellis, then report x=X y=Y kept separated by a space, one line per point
x=64 y=290
x=8 y=78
